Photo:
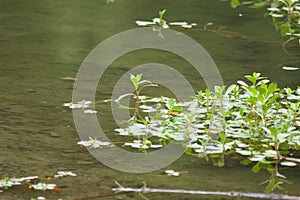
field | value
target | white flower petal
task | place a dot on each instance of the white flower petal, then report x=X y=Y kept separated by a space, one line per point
x=290 y=68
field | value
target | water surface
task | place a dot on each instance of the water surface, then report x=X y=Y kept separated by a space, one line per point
x=43 y=41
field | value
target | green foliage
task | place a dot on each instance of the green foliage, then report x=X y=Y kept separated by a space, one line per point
x=286 y=17
x=285 y=14
x=235 y=3
x=257 y=120
x=161 y=15
x=138 y=87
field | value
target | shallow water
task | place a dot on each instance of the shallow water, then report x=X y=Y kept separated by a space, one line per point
x=43 y=41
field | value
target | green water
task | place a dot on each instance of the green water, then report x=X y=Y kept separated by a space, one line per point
x=43 y=41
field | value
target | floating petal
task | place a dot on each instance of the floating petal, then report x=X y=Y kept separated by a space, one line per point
x=290 y=68
x=288 y=163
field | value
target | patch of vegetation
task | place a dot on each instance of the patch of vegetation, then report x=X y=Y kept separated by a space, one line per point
x=285 y=15
x=257 y=120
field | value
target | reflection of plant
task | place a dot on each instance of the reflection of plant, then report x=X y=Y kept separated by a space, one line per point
x=256 y=120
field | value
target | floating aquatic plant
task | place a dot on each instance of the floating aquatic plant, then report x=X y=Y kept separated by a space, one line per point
x=287 y=68
x=285 y=15
x=33 y=182
x=43 y=186
x=171 y=172
x=80 y=104
x=84 y=104
x=162 y=23
x=90 y=111
x=7 y=182
x=142 y=144
x=255 y=119
x=94 y=143
x=60 y=174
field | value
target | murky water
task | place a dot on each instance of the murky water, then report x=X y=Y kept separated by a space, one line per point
x=43 y=41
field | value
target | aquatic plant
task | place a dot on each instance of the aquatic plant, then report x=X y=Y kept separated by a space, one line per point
x=33 y=182
x=139 y=85
x=43 y=186
x=171 y=172
x=285 y=15
x=162 y=23
x=256 y=120
x=84 y=105
x=94 y=143
x=60 y=174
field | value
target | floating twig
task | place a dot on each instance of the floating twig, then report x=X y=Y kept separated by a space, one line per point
x=284 y=45
x=180 y=191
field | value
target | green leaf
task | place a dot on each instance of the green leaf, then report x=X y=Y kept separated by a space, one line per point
x=272 y=88
x=135 y=80
x=245 y=162
x=230 y=89
x=271 y=185
x=235 y=3
x=260 y=4
x=256 y=168
x=254 y=91
x=285 y=28
x=273 y=98
x=252 y=79
x=188 y=151
x=161 y=13
x=221 y=162
x=223 y=137
x=207 y=93
x=170 y=104
x=177 y=108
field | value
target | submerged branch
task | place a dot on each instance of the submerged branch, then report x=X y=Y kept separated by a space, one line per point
x=180 y=191
x=284 y=45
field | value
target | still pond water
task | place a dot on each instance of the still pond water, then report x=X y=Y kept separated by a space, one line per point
x=43 y=41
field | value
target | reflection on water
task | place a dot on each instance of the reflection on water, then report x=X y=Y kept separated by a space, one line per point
x=43 y=41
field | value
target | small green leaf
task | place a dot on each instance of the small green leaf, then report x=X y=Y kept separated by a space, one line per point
x=260 y=4
x=161 y=13
x=272 y=88
x=188 y=151
x=221 y=162
x=285 y=28
x=245 y=162
x=223 y=137
x=271 y=185
x=256 y=168
x=135 y=80
x=252 y=79
x=177 y=108
x=235 y=3
x=170 y=104
x=207 y=93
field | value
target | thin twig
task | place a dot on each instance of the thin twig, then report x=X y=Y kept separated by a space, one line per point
x=180 y=191
x=285 y=43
